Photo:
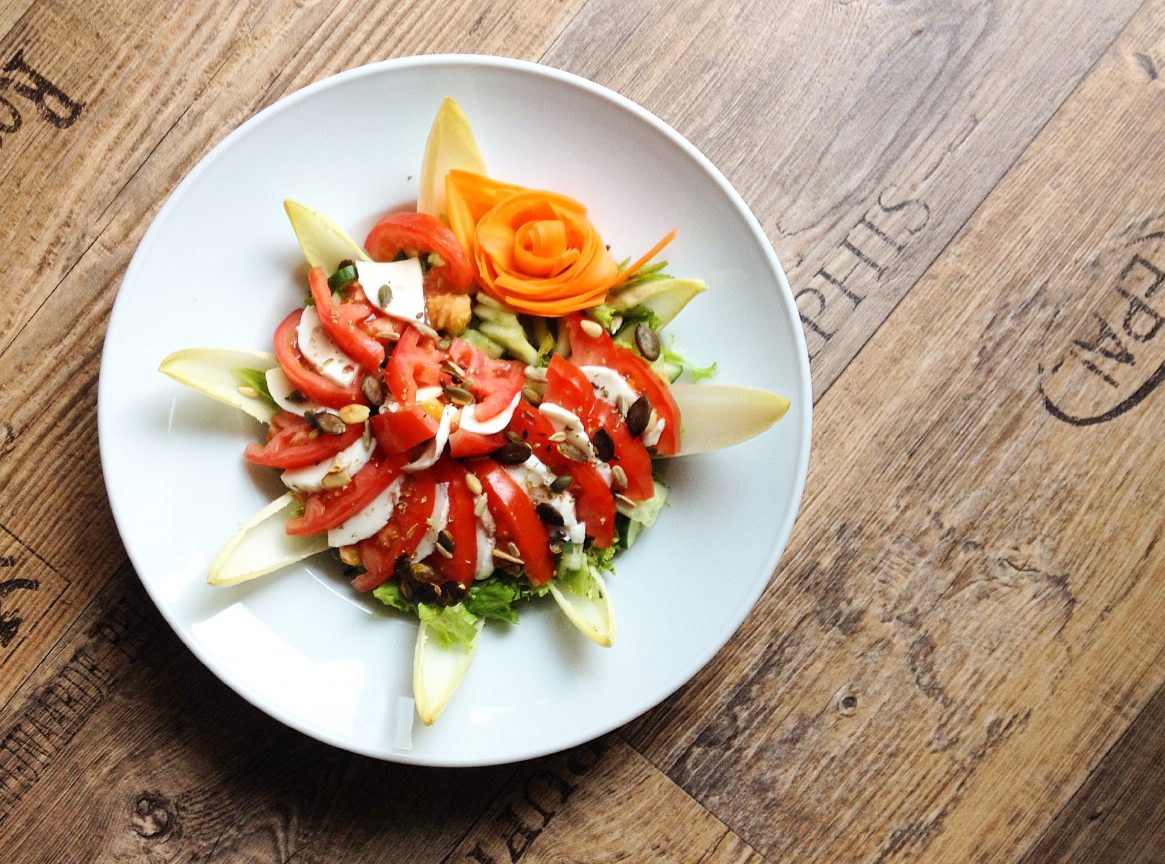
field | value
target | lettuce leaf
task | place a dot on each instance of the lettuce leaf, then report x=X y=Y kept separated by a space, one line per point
x=449 y=625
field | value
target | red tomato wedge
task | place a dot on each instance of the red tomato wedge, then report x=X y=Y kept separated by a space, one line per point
x=422 y=233
x=343 y=322
x=464 y=445
x=415 y=362
x=630 y=454
x=292 y=443
x=401 y=535
x=601 y=350
x=516 y=519
x=303 y=378
x=325 y=510
x=569 y=387
x=462 y=526
x=593 y=501
x=400 y=431
x=494 y=383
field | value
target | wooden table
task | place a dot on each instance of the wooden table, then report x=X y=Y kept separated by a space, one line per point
x=960 y=655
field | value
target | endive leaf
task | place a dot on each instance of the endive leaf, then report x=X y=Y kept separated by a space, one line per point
x=593 y=616
x=450 y=145
x=438 y=671
x=323 y=242
x=262 y=545
x=209 y=371
x=714 y=416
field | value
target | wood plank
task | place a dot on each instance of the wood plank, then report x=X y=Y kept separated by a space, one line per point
x=1119 y=814
x=559 y=809
x=29 y=590
x=967 y=563
x=54 y=499
x=203 y=776
x=863 y=135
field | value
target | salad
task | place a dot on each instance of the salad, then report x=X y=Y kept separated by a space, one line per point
x=468 y=408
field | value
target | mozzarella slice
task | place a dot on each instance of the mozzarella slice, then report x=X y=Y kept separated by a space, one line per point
x=533 y=476
x=611 y=387
x=280 y=389
x=568 y=423
x=497 y=423
x=437 y=445
x=322 y=352
x=368 y=521
x=396 y=288
x=436 y=523
x=486 y=532
x=349 y=460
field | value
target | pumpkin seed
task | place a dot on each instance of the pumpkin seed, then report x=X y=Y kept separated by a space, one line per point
x=445 y=543
x=296 y=397
x=573 y=453
x=384 y=295
x=373 y=390
x=604 y=446
x=561 y=484
x=453 y=592
x=513 y=453
x=647 y=341
x=335 y=480
x=638 y=416
x=549 y=515
x=531 y=395
x=422 y=572
x=326 y=422
x=444 y=343
x=459 y=396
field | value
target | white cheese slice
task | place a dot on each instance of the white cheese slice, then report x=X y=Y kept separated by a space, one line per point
x=611 y=387
x=533 y=476
x=428 y=394
x=653 y=431
x=437 y=445
x=368 y=521
x=486 y=532
x=350 y=460
x=400 y=283
x=436 y=523
x=322 y=352
x=280 y=389
x=568 y=423
x=497 y=423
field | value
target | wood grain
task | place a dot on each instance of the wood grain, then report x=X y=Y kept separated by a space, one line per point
x=966 y=623
x=48 y=407
x=559 y=809
x=862 y=134
x=978 y=564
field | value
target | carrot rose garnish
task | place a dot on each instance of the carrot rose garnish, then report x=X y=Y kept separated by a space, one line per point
x=535 y=251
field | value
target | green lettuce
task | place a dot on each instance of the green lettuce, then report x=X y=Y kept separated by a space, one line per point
x=449 y=625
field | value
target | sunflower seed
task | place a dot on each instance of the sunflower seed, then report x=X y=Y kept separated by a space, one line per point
x=248 y=391
x=336 y=480
x=473 y=484
x=445 y=543
x=350 y=555
x=619 y=476
x=574 y=454
x=502 y=555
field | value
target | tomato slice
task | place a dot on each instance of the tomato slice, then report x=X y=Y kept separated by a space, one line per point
x=293 y=443
x=465 y=445
x=422 y=233
x=462 y=526
x=516 y=519
x=299 y=372
x=569 y=387
x=494 y=383
x=400 y=431
x=331 y=507
x=593 y=501
x=601 y=350
x=415 y=362
x=630 y=454
x=401 y=535
x=342 y=323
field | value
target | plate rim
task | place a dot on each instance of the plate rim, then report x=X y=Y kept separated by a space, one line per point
x=731 y=623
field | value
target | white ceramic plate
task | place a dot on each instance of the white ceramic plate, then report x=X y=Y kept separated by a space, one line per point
x=219 y=266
